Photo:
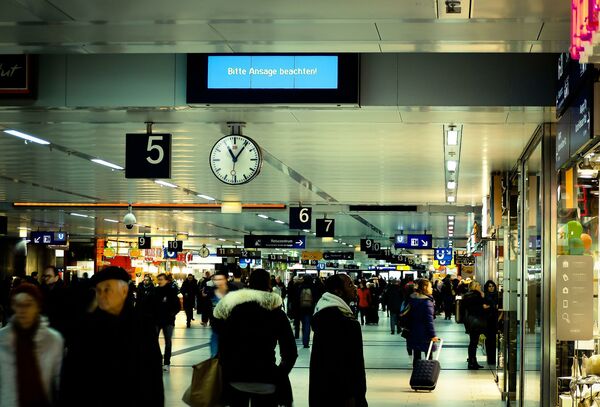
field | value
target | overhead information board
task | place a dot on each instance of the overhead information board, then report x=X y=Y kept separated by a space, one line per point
x=275 y=241
x=272 y=72
x=413 y=242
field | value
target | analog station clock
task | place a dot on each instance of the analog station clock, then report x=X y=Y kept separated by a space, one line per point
x=235 y=159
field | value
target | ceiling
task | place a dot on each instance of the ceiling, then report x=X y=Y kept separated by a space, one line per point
x=384 y=156
x=154 y=26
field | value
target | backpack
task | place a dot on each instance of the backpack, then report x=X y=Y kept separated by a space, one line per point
x=404 y=315
x=306 y=298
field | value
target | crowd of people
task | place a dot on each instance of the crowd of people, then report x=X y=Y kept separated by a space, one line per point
x=92 y=341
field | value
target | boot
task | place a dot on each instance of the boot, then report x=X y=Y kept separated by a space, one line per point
x=473 y=365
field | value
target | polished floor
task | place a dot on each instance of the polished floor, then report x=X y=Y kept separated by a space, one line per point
x=387 y=363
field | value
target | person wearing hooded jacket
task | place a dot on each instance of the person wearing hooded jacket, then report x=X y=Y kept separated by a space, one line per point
x=337 y=366
x=421 y=314
x=250 y=373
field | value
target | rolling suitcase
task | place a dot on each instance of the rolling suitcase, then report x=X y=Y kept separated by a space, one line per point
x=426 y=372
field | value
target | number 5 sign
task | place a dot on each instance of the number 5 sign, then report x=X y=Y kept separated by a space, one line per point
x=325 y=228
x=148 y=155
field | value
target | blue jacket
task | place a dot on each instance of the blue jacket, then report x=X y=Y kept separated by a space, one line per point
x=420 y=322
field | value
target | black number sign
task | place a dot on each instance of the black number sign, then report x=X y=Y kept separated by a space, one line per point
x=144 y=242
x=148 y=156
x=325 y=227
x=175 y=245
x=300 y=218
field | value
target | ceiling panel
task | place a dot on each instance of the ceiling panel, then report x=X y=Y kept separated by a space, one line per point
x=459 y=31
x=520 y=9
x=11 y=11
x=305 y=47
x=556 y=31
x=425 y=115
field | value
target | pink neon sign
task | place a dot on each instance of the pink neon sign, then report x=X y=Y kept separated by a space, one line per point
x=584 y=23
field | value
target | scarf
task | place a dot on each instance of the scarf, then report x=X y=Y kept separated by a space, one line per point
x=29 y=379
x=329 y=300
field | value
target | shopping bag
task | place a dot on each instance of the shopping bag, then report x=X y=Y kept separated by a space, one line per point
x=206 y=389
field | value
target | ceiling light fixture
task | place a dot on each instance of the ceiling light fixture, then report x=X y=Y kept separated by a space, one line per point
x=165 y=183
x=221 y=240
x=107 y=164
x=450 y=217
x=452 y=137
x=208 y=198
x=279 y=221
x=306 y=230
x=451 y=165
x=260 y=215
x=27 y=137
x=111 y=220
x=451 y=222
x=238 y=242
x=451 y=199
x=80 y=215
x=451 y=184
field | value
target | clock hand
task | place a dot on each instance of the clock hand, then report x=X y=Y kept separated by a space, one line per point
x=238 y=154
x=233 y=157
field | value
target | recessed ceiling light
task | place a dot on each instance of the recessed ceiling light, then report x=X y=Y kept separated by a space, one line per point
x=451 y=199
x=260 y=215
x=165 y=183
x=306 y=230
x=451 y=184
x=238 y=242
x=451 y=165
x=279 y=221
x=27 y=137
x=450 y=217
x=111 y=220
x=314 y=234
x=81 y=215
x=221 y=240
x=107 y=164
x=208 y=198
x=452 y=137
x=451 y=222
x=335 y=240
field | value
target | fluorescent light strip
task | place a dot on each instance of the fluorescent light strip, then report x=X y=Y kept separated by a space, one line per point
x=451 y=199
x=221 y=240
x=450 y=217
x=279 y=221
x=452 y=137
x=111 y=220
x=260 y=215
x=165 y=183
x=451 y=184
x=27 y=137
x=107 y=164
x=238 y=242
x=306 y=230
x=451 y=165
x=80 y=215
x=208 y=198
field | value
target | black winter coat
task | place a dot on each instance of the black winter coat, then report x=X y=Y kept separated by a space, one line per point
x=189 y=290
x=337 y=366
x=393 y=298
x=256 y=318
x=110 y=357
x=472 y=303
x=166 y=304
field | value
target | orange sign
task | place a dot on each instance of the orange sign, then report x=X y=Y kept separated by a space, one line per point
x=312 y=255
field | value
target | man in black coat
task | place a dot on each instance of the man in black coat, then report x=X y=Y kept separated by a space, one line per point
x=166 y=307
x=189 y=290
x=114 y=352
x=56 y=301
x=393 y=300
x=337 y=367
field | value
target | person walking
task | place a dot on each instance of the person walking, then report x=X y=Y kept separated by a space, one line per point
x=364 y=301
x=308 y=296
x=56 y=301
x=145 y=296
x=214 y=294
x=115 y=351
x=393 y=300
x=490 y=290
x=447 y=297
x=30 y=353
x=293 y=299
x=250 y=372
x=475 y=320
x=166 y=307
x=337 y=367
x=189 y=290
x=421 y=314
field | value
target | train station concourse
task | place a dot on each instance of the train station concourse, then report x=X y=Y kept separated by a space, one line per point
x=281 y=203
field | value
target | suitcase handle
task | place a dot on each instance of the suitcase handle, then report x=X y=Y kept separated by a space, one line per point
x=437 y=355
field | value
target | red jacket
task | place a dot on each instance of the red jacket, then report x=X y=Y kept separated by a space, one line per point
x=364 y=297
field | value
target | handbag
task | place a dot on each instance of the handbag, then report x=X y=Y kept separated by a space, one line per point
x=476 y=324
x=206 y=389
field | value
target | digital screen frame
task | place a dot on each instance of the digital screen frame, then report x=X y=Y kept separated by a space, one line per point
x=346 y=92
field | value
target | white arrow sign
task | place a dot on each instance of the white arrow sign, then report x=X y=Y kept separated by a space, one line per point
x=300 y=243
x=424 y=242
x=36 y=240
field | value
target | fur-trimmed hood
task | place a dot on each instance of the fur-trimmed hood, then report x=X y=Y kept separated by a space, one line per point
x=268 y=301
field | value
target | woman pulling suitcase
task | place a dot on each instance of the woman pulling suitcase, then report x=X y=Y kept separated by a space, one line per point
x=422 y=330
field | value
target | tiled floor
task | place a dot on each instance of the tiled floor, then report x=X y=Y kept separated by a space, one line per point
x=386 y=360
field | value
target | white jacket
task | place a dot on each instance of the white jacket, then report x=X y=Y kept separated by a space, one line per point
x=49 y=346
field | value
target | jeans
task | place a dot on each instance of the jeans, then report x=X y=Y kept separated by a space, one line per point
x=306 y=318
x=241 y=399
x=473 y=342
x=363 y=314
x=297 y=327
x=214 y=343
x=168 y=334
x=189 y=312
x=394 y=322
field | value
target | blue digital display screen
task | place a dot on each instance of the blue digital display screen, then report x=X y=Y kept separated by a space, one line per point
x=272 y=72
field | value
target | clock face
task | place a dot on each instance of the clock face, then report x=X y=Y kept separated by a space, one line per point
x=204 y=252
x=235 y=159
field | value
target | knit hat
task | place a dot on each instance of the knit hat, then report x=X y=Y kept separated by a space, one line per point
x=28 y=289
x=110 y=273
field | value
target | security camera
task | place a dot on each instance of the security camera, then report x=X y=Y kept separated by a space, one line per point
x=129 y=220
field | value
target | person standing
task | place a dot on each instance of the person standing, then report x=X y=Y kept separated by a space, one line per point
x=145 y=296
x=204 y=306
x=475 y=320
x=251 y=373
x=114 y=352
x=308 y=296
x=166 y=307
x=189 y=290
x=337 y=368
x=364 y=301
x=491 y=299
x=421 y=314
x=293 y=306
x=55 y=300
x=30 y=353
x=447 y=297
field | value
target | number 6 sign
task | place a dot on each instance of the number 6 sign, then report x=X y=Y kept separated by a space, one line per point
x=148 y=155
x=300 y=218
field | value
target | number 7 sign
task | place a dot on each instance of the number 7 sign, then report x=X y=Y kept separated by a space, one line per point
x=325 y=227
